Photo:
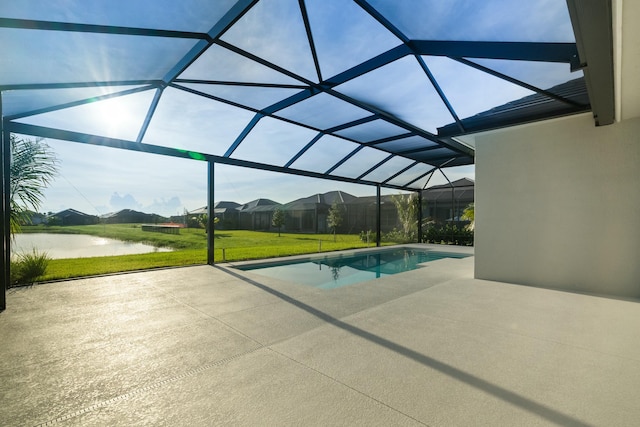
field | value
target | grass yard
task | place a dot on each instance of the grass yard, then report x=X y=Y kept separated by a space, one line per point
x=190 y=247
x=81 y=267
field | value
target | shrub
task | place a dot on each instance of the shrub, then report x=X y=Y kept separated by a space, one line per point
x=399 y=236
x=29 y=267
x=53 y=220
x=368 y=236
x=194 y=222
x=15 y=273
x=448 y=234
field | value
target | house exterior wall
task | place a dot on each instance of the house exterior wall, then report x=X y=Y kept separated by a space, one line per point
x=262 y=220
x=76 y=219
x=300 y=221
x=557 y=206
x=361 y=215
x=229 y=221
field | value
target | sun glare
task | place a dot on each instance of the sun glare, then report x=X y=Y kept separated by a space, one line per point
x=99 y=241
x=119 y=116
x=110 y=114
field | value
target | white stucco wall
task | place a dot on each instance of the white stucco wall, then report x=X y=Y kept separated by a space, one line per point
x=558 y=205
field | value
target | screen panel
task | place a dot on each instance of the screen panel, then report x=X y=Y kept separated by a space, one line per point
x=403 y=90
x=191 y=122
x=325 y=153
x=183 y=15
x=345 y=35
x=273 y=142
x=70 y=57
x=323 y=111
x=119 y=117
x=489 y=20
x=361 y=162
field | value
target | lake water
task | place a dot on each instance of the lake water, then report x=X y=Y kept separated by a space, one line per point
x=77 y=245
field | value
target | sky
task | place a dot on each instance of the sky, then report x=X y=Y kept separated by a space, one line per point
x=99 y=180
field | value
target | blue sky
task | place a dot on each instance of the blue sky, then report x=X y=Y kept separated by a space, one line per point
x=100 y=180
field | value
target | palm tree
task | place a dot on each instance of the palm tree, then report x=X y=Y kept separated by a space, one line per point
x=33 y=166
x=469 y=214
x=407 y=207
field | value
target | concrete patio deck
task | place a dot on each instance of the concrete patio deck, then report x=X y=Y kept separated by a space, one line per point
x=206 y=345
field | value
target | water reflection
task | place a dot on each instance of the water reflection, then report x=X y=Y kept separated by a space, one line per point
x=59 y=246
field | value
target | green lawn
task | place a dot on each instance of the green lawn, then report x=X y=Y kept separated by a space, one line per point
x=189 y=248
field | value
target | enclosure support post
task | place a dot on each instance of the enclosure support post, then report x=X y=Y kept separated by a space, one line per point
x=419 y=216
x=378 y=215
x=5 y=209
x=453 y=199
x=210 y=213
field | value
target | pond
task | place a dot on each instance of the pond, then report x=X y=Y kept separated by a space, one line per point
x=59 y=246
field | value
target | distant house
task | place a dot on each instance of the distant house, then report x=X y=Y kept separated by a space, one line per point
x=309 y=214
x=33 y=218
x=73 y=217
x=445 y=203
x=126 y=216
x=200 y=211
x=362 y=214
x=227 y=214
x=257 y=214
x=440 y=203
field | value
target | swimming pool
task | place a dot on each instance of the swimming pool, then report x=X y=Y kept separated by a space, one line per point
x=334 y=271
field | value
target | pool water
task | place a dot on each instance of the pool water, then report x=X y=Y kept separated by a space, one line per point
x=330 y=272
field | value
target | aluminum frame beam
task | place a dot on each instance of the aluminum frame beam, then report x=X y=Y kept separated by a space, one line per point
x=45 y=132
x=518 y=51
x=209 y=228
x=592 y=25
x=5 y=210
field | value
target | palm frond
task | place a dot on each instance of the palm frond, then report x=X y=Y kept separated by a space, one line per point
x=34 y=166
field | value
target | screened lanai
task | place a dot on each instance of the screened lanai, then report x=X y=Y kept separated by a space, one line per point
x=373 y=92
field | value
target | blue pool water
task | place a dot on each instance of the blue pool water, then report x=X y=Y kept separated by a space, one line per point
x=334 y=271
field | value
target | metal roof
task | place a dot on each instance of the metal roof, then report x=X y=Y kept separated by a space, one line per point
x=259 y=205
x=365 y=91
x=530 y=108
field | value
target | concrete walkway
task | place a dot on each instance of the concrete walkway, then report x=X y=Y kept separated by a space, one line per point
x=203 y=346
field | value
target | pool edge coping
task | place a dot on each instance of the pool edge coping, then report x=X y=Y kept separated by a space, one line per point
x=467 y=250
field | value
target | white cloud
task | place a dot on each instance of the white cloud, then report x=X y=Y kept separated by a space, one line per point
x=127 y=201
x=165 y=207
